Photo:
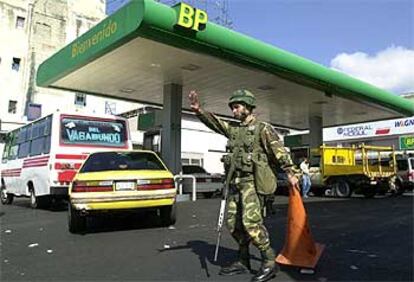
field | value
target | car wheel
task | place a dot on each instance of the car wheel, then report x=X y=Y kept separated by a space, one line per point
x=341 y=189
x=168 y=215
x=6 y=198
x=76 y=222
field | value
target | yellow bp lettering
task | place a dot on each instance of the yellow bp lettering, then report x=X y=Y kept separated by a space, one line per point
x=185 y=16
x=199 y=19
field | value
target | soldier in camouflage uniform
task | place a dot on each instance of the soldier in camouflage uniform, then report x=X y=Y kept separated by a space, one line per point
x=244 y=210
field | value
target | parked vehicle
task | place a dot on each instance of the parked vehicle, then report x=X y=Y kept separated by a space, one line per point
x=41 y=158
x=364 y=169
x=121 y=181
x=206 y=183
x=405 y=170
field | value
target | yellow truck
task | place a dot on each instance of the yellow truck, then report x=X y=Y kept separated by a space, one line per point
x=366 y=170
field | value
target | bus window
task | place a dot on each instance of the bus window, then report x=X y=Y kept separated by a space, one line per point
x=46 y=145
x=37 y=146
x=12 y=146
x=24 y=149
x=41 y=137
x=48 y=125
x=77 y=131
x=6 y=148
x=36 y=130
x=22 y=136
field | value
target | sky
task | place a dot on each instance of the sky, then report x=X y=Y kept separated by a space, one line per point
x=372 y=40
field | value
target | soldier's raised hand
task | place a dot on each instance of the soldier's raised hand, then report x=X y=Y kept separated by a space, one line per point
x=194 y=101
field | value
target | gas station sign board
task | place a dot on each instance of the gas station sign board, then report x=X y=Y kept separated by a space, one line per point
x=407 y=142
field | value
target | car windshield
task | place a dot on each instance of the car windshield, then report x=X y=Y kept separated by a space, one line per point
x=122 y=161
x=191 y=169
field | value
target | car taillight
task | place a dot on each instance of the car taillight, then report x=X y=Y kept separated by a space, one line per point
x=154 y=184
x=92 y=186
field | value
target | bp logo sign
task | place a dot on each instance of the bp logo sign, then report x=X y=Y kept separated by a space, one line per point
x=407 y=142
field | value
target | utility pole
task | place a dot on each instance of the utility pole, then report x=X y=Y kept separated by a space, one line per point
x=29 y=76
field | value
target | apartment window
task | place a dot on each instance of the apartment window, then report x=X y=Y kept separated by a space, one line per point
x=80 y=99
x=16 y=64
x=20 y=22
x=12 y=106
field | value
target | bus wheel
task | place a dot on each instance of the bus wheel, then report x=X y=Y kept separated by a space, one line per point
x=341 y=188
x=33 y=199
x=6 y=198
x=38 y=201
x=76 y=222
x=168 y=215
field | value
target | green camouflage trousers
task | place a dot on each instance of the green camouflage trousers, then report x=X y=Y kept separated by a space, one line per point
x=244 y=216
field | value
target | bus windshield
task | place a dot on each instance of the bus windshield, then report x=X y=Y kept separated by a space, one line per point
x=93 y=132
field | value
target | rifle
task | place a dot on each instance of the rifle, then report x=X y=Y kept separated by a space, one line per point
x=223 y=204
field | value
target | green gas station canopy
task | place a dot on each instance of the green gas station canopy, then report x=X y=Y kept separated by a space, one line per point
x=132 y=53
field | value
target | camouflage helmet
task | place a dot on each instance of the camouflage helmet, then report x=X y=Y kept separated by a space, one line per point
x=243 y=96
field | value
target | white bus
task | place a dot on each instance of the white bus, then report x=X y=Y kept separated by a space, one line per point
x=41 y=158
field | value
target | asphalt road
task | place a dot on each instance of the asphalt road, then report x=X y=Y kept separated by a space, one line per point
x=366 y=240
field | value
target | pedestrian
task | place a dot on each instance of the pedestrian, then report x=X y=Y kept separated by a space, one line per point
x=306 y=180
x=252 y=147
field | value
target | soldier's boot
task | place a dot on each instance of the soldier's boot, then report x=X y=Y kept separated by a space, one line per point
x=268 y=269
x=239 y=267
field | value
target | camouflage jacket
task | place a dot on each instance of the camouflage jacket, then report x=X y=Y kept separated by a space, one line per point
x=270 y=141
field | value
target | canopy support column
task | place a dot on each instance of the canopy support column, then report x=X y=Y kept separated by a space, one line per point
x=315 y=137
x=171 y=127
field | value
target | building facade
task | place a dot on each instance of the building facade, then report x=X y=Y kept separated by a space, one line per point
x=30 y=32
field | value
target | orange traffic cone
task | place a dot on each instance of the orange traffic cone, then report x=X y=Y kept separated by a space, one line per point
x=299 y=249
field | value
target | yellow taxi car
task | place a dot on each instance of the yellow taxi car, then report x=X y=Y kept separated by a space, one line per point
x=124 y=180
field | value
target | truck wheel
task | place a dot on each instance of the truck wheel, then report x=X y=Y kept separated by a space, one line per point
x=168 y=215
x=341 y=189
x=76 y=222
x=6 y=198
